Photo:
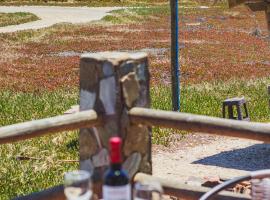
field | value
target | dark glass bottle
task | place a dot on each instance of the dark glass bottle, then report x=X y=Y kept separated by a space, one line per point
x=116 y=182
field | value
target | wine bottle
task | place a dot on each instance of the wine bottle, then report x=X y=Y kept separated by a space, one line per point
x=116 y=184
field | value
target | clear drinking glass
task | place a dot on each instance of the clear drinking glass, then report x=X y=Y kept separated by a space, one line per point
x=260 y=189
x=78 y=185
x=147 y=191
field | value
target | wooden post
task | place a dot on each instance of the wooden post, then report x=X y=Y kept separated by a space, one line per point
x=267 y=14
x=112 y=83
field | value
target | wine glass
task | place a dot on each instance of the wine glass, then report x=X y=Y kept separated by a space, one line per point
x=147 y=190
x=78 y=185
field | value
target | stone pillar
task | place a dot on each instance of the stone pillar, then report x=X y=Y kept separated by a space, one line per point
x=111 y=83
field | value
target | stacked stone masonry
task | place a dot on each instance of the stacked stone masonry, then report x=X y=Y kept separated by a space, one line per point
x=111 y=83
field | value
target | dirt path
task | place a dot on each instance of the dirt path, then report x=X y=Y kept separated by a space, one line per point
x=51 y=15
x=203 y=156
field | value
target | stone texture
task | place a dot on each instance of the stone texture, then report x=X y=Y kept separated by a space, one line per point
x=88 y=99
x=87 y=165
x=111 y=83
x=130 y=88
x=132 y=164
x=137 y=139
x=108 y=69
x=146 y=164
x=87 y=142
x=107 y=94
x=101 y=158
x=126 y=67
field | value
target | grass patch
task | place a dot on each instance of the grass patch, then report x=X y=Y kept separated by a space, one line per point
x=121 y=16
x=16 y=18
x=206 y=99
x=132 y=15
x=23 y=176
x=19 y=107
x=143 y=13
x=19 y=177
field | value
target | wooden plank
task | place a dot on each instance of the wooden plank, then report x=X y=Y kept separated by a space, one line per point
x=233 y=3
x=54 y=193
x=200 y=123
x=187 y=192
x=267 y=16
x=40 y=127
x=256 y=6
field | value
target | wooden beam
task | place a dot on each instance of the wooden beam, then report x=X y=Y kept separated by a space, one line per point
x=200 y=123
x=233 y=3
x=267 y=16
x=257 y=6
x=40 y=127
x=187 y=192
x=54 y=193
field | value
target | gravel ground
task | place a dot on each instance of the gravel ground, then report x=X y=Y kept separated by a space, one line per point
x=203 y=156
x=51 y=15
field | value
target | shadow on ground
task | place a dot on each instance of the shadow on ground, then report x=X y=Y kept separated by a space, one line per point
x=251 y=158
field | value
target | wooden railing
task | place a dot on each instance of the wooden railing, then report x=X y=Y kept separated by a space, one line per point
x=150 y=117
x=115 y=98
x=200 y=123
x=37 y=128
x=145 y=116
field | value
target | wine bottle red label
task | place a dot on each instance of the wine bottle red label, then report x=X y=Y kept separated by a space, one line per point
x=117 y=192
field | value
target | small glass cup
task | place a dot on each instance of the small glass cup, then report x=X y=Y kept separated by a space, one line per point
x=78 y=185
x=148 y=190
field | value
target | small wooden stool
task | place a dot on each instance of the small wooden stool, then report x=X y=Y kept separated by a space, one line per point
x=237 y=102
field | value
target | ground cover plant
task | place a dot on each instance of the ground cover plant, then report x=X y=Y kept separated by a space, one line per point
x=16 y=18
x=39 y=75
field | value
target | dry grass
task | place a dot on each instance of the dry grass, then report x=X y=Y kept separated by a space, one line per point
x=216 y=48
x=219 y=51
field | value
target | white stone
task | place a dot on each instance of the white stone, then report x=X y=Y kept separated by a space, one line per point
x=87 y=100
x=107 y=92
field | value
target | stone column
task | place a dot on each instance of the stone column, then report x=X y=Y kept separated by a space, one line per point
x=111 y=83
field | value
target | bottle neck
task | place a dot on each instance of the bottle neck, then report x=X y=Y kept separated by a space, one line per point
x=116 y=166
x=116 y=155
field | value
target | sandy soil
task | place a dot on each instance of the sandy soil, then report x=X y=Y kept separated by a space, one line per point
x=203 y=156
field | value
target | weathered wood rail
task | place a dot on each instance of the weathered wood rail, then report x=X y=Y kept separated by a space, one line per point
x=115 y=100
x=200 y=123
x=149 y=117
x=188 y=192
x=37 y=128
x=255 y=6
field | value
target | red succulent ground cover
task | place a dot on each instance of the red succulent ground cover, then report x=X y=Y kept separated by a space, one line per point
x=217 y=46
